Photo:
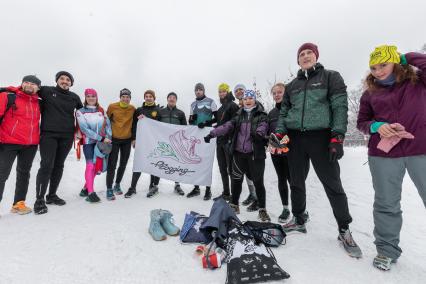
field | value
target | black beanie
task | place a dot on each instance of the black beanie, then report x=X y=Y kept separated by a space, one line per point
x=199 y=86
x=172 y=94
x=125 y=92
x=65 y=73
x=32 y=79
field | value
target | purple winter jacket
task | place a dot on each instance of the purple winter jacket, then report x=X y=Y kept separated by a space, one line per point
x=404 y=103
x=244 y=140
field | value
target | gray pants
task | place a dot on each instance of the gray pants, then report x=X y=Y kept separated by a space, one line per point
x=388 y=174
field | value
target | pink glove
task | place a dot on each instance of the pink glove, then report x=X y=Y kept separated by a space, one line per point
x=387 y=143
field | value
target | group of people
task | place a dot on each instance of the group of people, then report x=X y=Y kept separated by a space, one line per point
x=307 y=125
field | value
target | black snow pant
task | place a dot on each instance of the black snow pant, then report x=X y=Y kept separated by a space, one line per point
x=54 y=149
x=281 y=167
x=224 y=162
x=254 y=169
x=313 y=146
x=135 y=178
x=122 y=147
x=8 y=154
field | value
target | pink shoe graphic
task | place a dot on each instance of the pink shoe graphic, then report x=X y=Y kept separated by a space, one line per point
x=185 y=147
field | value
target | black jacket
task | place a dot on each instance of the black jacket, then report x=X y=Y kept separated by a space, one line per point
x=225 y=113
x=148 y=111
x=57 y=109
x=172 y=116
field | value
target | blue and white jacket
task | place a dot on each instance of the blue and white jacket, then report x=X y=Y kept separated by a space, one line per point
x=90 y=121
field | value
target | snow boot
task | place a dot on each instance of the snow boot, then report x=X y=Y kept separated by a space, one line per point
x=236 y=208
x=110 y=194
x=284 y=215
x=84 y=192
x=263 y=215
x=207 y=194
x=54 y=199
x=194 y=192
x=349 y=243
x=21 y=208
x=293 y=226
x=383 y=262
x=250 y=199
x=40 y=207
x=179 y=190
x=253 y=207
x=167 y=223
x=93 y=198
x=153 y=190
x=131 y=191
x=117 y=189
x=155 y=229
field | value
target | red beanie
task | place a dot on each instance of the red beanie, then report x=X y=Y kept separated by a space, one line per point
x=309 y=46
x=90 y=92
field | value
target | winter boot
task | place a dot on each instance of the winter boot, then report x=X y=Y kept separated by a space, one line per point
x=110 y=194
x=383 y=262
x=117 y=189
x=84 y=192
x=263 y=215
x=293 y=226
x=349 y=243
x=153 y=190
x=167 y=223
x=40 y=207
x=208 y=193
x=236 y=208
x=284 y=215
x=21 y=208
x=194 y=192
x=250 y=198
x=93 y=198
x=225 y=196
x=155 y=229
x=54 y=199
x=179 y=190
x=130 y=192
x=253 y=207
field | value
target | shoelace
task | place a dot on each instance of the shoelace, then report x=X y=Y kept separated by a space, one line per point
x=20 y=205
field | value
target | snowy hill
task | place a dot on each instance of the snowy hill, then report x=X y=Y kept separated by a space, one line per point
x=109 y=242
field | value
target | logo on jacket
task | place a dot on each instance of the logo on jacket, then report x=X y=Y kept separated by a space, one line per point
x=154 y=114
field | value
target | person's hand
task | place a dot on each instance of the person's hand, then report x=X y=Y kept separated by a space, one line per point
x=387 y=130
x=278 y=140
x=201 y=125
x=335 y=148
x=133 y=143
x=107 y=140
x=208 y=138
x=141 y=116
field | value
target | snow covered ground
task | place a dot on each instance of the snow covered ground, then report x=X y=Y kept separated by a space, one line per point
x=109 y=242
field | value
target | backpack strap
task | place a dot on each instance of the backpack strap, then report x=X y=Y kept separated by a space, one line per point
x=11 y=98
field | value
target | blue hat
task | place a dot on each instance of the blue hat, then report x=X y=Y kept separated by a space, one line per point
x=249 y=94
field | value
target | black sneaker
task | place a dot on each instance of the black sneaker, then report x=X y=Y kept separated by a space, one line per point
x=225 y=196
x=263 y=215
x=179 y=190
x=130 y=192
x=208 y=194
x=84 y=192
x=93 y=198
x=306 y=216
x=40 y=207
x=54 y=199
x=248 y=200
x=284 y=216
x=253 y=207
x=153 y=190
x=194 y=192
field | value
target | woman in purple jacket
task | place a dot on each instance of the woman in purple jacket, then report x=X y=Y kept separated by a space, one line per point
x=249 y=128
x=393 y=112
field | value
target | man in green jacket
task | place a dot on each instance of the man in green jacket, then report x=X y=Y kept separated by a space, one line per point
x=313 y=121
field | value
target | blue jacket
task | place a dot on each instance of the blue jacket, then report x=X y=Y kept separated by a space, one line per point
x=90 y=121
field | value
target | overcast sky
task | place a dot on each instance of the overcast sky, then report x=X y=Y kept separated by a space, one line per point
x=171 y=45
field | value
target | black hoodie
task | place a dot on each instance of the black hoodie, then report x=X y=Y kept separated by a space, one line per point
x=225 y=113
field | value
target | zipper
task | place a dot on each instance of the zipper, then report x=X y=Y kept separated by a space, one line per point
x=304 y=101
x=32 y=121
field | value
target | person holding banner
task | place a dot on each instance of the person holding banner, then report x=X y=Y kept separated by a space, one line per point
x=94 y=126
x=202 y=113
x=249 y=129
x=150 y=110
x=121 y=117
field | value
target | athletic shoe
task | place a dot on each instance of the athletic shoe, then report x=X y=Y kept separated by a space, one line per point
x=263 y=215
x=293 y=226
x=21 y=208
x=54 y=199
x=131 y=191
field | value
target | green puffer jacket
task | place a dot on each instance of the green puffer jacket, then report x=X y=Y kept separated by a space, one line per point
x=315 y=100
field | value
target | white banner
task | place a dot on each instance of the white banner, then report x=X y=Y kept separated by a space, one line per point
x=174 y=152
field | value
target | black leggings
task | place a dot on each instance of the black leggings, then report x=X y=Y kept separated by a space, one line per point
x=135 y=178
x=244 y=164
x=281 y=168
x=224 y=162
x=124 y=148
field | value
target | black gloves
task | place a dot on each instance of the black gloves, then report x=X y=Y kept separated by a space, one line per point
x=335 y=148
x=208 y=138
x=192 y=118
x=204 y=124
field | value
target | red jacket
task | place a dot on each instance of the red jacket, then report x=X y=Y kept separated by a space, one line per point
x=20 y=125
